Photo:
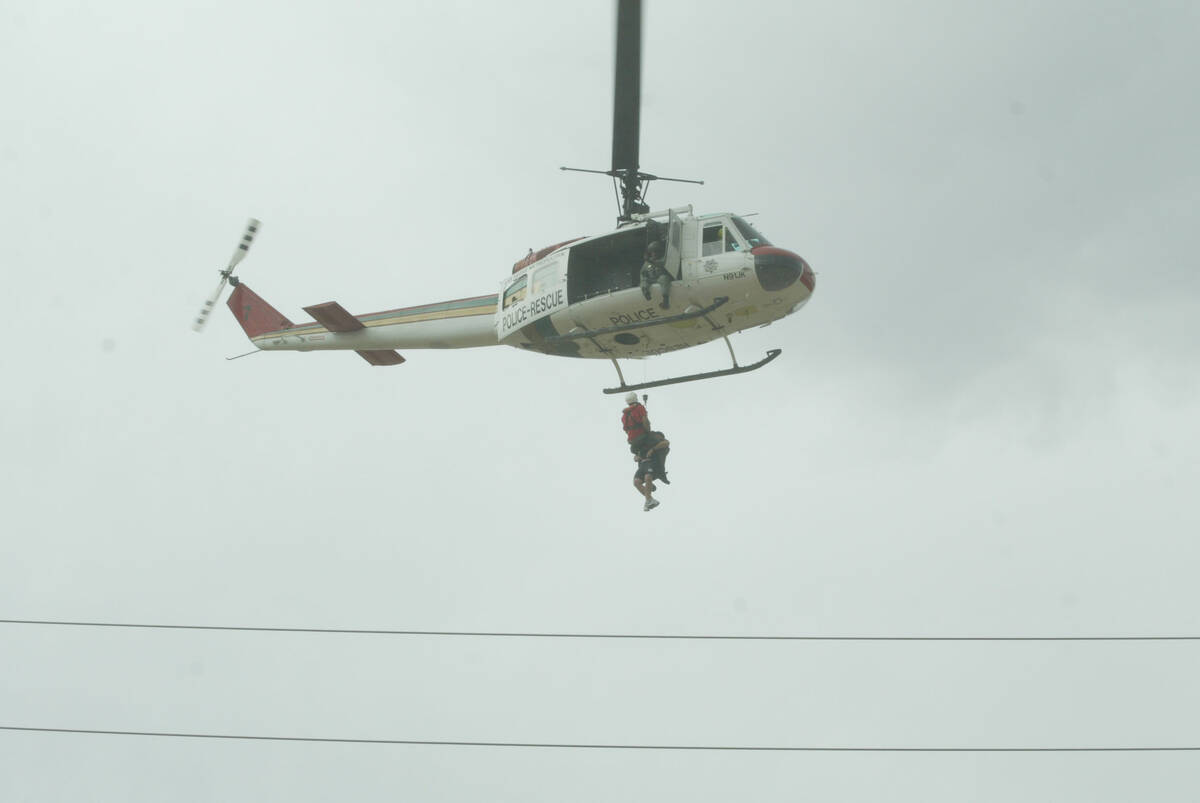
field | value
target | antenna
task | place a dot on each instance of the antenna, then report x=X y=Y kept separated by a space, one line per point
x=239 y=253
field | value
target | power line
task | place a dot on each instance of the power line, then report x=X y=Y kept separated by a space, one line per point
x=599 y=746
x=564 y=635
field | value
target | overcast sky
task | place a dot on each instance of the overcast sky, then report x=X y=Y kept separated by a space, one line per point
x=986 y=422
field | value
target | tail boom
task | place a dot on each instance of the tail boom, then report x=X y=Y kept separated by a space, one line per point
x=462 y=323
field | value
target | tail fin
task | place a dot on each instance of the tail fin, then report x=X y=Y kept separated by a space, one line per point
x=256 y=316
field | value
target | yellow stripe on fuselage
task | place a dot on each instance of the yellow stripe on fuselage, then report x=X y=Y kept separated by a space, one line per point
x=487 y=306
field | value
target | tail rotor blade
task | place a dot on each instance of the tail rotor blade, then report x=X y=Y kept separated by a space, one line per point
x=207 y=309
x=239 y=253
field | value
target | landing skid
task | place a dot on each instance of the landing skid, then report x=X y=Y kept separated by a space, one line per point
x=675 y=380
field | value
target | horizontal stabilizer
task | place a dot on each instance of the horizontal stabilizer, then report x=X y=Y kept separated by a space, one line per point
x=380 y=356
x=334 y=317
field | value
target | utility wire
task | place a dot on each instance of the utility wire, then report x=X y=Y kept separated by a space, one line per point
x=597 y=746
x=548 y=635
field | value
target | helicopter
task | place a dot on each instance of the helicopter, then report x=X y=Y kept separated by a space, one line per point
x=582 y=297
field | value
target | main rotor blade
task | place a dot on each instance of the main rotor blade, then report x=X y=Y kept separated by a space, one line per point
x=627 y=95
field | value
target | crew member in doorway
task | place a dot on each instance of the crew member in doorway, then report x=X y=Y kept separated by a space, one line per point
x=654 y=271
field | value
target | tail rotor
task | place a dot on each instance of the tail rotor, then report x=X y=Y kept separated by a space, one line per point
x=252 y=227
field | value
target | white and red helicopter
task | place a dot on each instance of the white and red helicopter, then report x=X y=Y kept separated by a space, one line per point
x=582 y=297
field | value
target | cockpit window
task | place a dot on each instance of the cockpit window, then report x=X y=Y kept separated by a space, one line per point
x=732 y=243
x=717 y=239
x=712 y=241
x=750 y=233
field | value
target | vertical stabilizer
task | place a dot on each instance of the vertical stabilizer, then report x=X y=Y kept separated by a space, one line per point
x=256 y=316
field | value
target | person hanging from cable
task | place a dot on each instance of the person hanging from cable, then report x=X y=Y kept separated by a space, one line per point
x=643 y=481
x=636 y=423
x=651 y=466
x=657 y=453
x=649 y=449
x=654 y=271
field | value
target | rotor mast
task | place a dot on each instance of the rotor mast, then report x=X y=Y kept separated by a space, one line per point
x=627 y=105
x=627 y=108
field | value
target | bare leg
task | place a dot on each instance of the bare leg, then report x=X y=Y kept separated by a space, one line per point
x=645 y=486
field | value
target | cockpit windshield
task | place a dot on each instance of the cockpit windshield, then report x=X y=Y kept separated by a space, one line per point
x=750 y=234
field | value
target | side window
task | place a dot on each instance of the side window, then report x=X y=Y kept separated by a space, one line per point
x=713 y=240
x=515 y=293
x=543 y=277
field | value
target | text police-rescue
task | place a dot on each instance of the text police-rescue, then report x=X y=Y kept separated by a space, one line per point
x=533 y=309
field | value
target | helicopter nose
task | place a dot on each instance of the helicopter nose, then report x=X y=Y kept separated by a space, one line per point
x=778 y=269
